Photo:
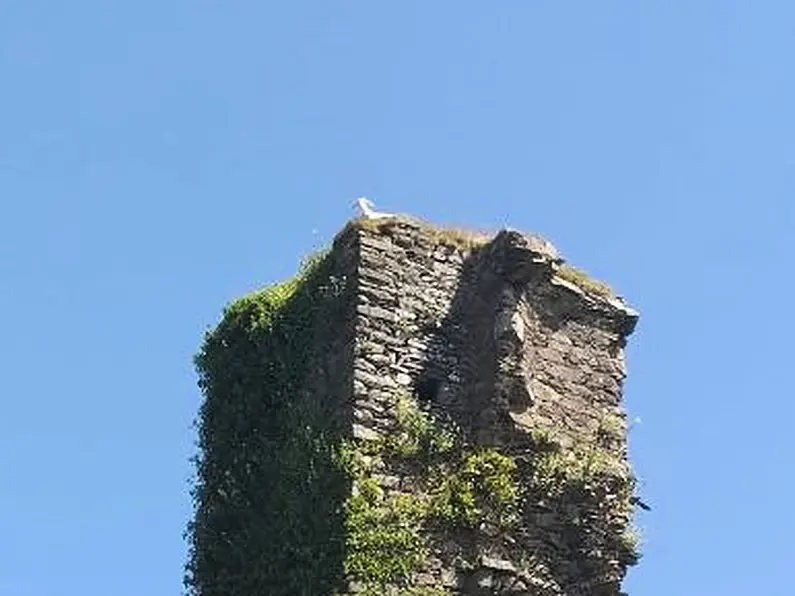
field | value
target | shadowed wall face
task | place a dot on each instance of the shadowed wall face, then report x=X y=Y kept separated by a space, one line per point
x=426 y=412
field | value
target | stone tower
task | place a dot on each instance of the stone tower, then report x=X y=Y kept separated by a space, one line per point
x=420 y=411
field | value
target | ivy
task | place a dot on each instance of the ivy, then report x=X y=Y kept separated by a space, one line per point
x=385 y=539
x=268 y=494
x=385 y=542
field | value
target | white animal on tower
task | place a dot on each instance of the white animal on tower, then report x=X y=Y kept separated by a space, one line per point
x=366 y=209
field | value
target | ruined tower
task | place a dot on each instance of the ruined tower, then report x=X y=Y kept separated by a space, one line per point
x=420 y=411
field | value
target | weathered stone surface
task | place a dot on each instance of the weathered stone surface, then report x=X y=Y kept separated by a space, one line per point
x=514 y=350
x=485 y=332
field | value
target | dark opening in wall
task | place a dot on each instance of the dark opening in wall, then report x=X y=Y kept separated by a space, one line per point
x=427 y=388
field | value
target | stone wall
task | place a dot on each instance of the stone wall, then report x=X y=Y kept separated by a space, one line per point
x=491 y=333
x=471 y=387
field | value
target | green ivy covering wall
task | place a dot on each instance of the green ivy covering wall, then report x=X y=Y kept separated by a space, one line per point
x=268 y=492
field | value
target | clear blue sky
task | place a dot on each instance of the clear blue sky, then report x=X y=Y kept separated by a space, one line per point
x=158 y=159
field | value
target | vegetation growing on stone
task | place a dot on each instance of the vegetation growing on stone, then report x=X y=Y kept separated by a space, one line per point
x=384 y=537
x=388 y=534
x=593 y=480
x=557 y=470
x=267 y=502
x=483 y=488
x=466 y=240
x=288 y=502
x=417 y=432
x=581 y=279
x=330 y=519
x=611 y=430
